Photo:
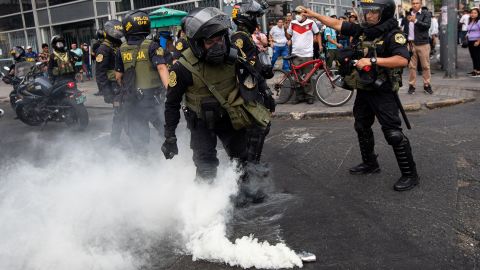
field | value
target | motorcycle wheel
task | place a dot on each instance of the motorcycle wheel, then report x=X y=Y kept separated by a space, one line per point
x=76 y=117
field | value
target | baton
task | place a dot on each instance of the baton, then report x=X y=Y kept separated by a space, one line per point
x=402 y=111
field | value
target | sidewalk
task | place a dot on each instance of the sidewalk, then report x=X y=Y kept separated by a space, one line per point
x=446 y=92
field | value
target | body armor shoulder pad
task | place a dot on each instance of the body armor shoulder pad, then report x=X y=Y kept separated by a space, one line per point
x=190 y=57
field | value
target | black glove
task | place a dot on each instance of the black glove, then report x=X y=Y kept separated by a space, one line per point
x=270 y=103
x=169 y=147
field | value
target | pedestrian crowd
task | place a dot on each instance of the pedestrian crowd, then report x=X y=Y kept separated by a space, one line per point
x=83 y=67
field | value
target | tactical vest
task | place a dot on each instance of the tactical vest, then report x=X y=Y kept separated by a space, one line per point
x=64 y=65
x=221 y=76
x=110 y=72
x=362 y=80
x=137 y=56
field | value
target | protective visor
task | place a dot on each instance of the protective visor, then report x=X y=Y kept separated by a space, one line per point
x=206 y=23
x=369 y=14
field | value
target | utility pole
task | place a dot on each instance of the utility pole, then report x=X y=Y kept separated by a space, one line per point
x=449 y=36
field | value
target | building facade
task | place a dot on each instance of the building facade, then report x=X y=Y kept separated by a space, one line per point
x=33 y=22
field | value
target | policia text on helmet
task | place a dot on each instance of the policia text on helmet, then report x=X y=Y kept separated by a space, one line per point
x=384 y=52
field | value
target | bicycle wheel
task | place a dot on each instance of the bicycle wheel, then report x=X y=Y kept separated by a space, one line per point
x=329 y=95
x=281 y=85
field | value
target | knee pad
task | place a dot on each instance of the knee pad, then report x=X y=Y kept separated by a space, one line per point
x=394 y=137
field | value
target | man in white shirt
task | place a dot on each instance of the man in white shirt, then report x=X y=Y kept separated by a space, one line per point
x=279 y=41
x=464 y=22
x=302 y=31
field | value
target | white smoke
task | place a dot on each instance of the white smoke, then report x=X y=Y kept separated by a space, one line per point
x=80 y=206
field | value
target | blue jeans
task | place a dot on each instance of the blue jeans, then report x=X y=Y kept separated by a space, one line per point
x=280 y=51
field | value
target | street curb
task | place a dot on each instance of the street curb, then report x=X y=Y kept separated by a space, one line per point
x=447 y=102
x=413 y=107
x=98 y=107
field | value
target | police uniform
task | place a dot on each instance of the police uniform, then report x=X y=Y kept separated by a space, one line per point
x=61 y=65
x=105 y=61
x=107 y=85
x=256 y=134
x=204 y=132
x=380 y=101
x=144 y=102
x=180 y=46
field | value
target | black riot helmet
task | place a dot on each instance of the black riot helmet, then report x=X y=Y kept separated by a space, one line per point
x=58 y=43
x=246 y=14
x=113 y=31
x=18 y=53
x=374 y=12
x=204 y=23
x=136 y=22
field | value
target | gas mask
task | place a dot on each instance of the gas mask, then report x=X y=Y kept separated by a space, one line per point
x=59 y=45
x=299 y=17
x=216 y=54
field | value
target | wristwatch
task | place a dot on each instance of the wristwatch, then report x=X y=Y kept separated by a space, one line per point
x=373 y=60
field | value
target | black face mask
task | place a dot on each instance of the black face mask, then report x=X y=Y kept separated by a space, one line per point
x=216 y=54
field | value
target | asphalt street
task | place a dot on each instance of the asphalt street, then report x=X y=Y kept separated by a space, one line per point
x=349 y=222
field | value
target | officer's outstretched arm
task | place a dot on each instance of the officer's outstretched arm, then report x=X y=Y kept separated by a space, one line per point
x=326 y=20
x=163 y=72
x=395 y=61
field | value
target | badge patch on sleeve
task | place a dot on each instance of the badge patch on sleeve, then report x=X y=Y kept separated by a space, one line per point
x=159 y=51
x=400 y=39
x=99 y=58
x=239 y=43
x=179 y=46
x=172 y=79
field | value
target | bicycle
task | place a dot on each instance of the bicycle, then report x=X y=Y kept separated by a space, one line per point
x=282 y=83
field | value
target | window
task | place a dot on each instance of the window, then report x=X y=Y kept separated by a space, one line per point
x=5 y=47
x=42 y=17
x=41 y=3
x=29 y=22
x=11 y=23
x=9 y=7
x=18 y=39
x=123 y=6
x=208 y=3
x=57 y=2
x=32 y=39
x=27 y=5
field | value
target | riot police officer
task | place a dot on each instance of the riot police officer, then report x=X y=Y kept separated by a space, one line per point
x=143 y=59
x=61 y=65
x=205 y=61
x=382 y=52
x=253 y=86
x=18 y=54
x=99 y=36
x=105 y=74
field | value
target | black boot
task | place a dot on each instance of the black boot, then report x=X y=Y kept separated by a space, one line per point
x=369 y=158
x=409 y=178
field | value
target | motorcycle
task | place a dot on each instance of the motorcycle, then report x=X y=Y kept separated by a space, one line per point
x=36 y=101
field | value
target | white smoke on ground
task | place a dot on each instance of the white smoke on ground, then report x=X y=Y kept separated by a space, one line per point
x=81 y=206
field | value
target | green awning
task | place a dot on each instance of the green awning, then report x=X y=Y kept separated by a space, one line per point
x=165 y=17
